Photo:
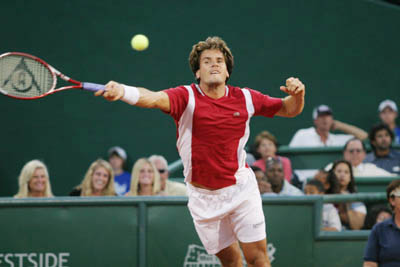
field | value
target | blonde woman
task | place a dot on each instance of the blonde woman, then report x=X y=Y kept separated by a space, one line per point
x=34 y=180
x=98 y=181
x=145 y=179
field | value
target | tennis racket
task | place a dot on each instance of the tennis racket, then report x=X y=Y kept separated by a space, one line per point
x=24 y=76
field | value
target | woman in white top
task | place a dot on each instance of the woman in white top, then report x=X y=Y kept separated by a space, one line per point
x=352 y=214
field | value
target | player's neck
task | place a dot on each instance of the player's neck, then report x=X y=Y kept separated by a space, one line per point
x=214 y=91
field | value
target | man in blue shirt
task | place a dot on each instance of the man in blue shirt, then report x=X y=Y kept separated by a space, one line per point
x=383 y=156
x=383 y=247
x=122 y=179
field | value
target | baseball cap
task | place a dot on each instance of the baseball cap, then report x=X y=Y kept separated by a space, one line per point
x=321 y=110
x=117 y=150
x=387 y=103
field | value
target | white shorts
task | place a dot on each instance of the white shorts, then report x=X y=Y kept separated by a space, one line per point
x=226 y=215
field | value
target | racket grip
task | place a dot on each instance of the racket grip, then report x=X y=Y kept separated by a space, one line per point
x=94 y=87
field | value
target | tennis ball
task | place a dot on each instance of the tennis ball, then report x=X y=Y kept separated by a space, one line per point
x=139 y=42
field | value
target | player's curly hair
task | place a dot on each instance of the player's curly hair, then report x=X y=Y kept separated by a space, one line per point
x=210 y=43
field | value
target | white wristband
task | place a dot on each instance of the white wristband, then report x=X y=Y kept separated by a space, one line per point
x=131 y=94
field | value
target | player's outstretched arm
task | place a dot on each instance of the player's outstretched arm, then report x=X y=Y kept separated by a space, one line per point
x=137 y=96
x=293 y=104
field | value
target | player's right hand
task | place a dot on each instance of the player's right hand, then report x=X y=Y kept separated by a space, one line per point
x=113 y=91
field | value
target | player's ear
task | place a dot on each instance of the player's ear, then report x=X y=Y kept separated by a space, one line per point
x=198 y=74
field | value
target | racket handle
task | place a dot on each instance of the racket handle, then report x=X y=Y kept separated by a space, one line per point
x=94 y=87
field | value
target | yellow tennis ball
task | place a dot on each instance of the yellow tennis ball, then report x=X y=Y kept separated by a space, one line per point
x=139 y=42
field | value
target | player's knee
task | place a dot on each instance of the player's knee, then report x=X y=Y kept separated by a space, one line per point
x=258 y=258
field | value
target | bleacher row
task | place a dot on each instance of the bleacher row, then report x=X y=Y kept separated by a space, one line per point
x=130 y=231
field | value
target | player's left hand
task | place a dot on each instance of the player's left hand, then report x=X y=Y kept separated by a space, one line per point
x=293 y=87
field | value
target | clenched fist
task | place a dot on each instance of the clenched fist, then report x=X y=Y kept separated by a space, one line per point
x=293 y=87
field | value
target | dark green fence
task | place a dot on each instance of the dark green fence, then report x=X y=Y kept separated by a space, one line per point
x=146 y=231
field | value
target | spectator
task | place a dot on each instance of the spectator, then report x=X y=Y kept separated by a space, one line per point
x=382 y=155
x=98 y=181
x=330 y=216
x=145 y=179
x=328 y=180
x=383 y=247
x=275 y=176
x=320 y=135
x=352 y=215
x=263 y=185
x=388 y=114
x=122 y=179
x=168 y=188
x=378 y=213
x=34 y=180
x=355 y=152
x=266 y=146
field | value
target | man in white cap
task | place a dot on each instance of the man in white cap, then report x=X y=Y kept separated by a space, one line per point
x=388 y=113
x=122 y=179
x=320 y=134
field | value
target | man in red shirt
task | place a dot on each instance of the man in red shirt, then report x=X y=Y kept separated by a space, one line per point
x=212 y=120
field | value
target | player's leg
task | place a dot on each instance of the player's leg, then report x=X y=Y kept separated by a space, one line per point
x=255 y=253
x=230 y=256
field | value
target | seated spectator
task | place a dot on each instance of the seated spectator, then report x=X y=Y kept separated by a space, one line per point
x=168 y=188
x=263 y=185
x=382 y=155
x=34 y=181
x=145 y=179
x=266 y=146
x=378 y=213
x=275 y=176
x=320 y=135
x=98 y=181
x=384 y=240
x=355 y=152
x=330 y=216
x=388 y=113
x=122 y=179
x=352 y=215
x=328 y=180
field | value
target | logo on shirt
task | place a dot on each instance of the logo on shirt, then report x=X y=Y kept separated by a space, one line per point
x=236 y=114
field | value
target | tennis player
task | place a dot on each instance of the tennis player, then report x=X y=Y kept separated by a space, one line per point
x=212 y=120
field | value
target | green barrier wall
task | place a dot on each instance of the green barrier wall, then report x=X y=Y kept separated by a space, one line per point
x=344 y=51
x=159 y=231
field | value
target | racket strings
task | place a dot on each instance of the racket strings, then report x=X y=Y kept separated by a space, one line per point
x=22 y=76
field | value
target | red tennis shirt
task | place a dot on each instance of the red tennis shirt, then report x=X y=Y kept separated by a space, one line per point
x=212 y=133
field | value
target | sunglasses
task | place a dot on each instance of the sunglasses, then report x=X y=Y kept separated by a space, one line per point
x=162 y=170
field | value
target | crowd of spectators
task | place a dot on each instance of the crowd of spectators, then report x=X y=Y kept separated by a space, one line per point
x=274 y=174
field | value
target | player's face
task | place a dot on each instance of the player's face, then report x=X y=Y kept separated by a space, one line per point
x=342 y=172
x=266 y=148
x=212 y=69
x=388 y=115
x=324 y=122
x=100 y=178
x=382 y=140
x=354 y=152
x=146 y=175
x=38 y=181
